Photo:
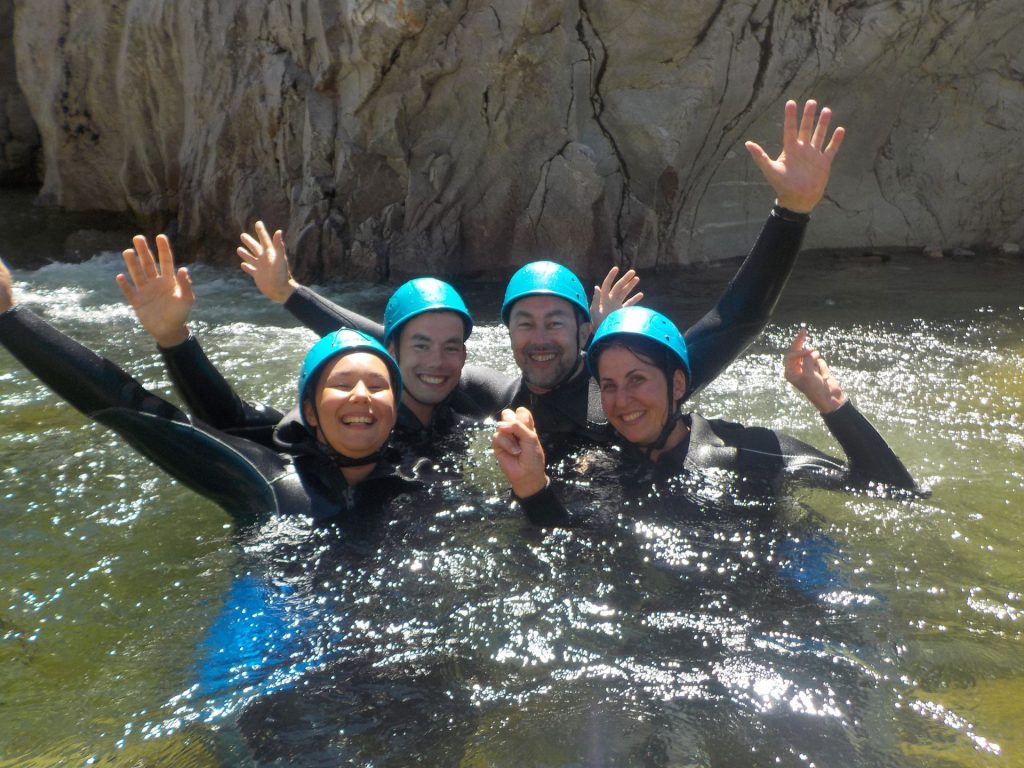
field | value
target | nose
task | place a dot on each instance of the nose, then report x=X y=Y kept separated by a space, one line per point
x=621 y=397
x=360 y=391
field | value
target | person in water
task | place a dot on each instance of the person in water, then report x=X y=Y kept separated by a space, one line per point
x=329 y=457
x=640 y=362
x=549 y=320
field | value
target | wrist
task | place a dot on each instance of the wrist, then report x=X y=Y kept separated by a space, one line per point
x=527 y=487
x=832 y=404
x=173 y=338
x=789 y=210
x=289 y=289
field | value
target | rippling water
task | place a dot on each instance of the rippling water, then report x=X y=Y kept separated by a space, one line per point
x=139 y=626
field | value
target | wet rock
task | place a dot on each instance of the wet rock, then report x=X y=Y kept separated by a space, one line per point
x=933 y=252
x=963 y=253
x=1010 y=249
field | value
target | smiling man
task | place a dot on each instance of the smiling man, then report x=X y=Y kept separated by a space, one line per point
x=548 y=317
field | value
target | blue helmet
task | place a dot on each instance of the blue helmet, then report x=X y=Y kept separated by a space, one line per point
x=545 y=278
x=639 y=322
x=424 y=294
x=342 y=342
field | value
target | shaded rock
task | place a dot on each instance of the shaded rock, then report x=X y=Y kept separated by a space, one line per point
x=19 y=139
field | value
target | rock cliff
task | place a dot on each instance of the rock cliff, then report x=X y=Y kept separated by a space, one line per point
x=455 y=136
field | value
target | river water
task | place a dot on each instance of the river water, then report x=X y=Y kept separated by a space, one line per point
x=140 y=626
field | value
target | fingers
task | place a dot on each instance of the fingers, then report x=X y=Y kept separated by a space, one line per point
x=759 y=156
x=634 y=299
x=807 y=121
x=127 y=288
x=821 y=129
x=799 y=339
x=146 y=262
x=625 y=284
x=525 y=417
x=837 y=141
x=184 y=280
x=278 y=241
x=609 y=280
x=166 y=256
x=789 y=133
x=132 y=264
x=265 y=239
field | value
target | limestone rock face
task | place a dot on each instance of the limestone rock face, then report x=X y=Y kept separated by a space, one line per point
x=391 y=138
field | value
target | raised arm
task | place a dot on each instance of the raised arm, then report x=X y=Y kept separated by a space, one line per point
x=870 y=458
x=263 y=257
x=798 y=176
x=162 y=299
x=228 y=471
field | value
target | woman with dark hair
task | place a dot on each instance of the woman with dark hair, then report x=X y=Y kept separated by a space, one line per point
x=641 y=364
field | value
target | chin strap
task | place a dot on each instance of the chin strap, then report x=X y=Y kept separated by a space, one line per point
x=340 y=460
x=674 y=417
x=343 y=462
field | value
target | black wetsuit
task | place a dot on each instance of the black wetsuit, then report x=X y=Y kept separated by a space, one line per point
x=279 y=468
x=574 y=407
x=759 y=459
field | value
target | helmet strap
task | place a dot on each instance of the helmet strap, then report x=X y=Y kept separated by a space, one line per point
x=671 y=420
x=340 y=460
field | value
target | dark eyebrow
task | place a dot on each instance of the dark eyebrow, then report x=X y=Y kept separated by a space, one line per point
x=423 y=337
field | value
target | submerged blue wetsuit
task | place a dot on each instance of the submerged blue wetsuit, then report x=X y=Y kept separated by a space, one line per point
x=279 y=470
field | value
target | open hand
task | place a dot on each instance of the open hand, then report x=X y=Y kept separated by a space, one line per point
x=806 y=370
x=161 y=296
x=614 y=294
x=264 y=259
x=800 y=173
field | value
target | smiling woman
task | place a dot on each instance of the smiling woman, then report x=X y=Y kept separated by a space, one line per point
x=348 y=386
x=640 y=360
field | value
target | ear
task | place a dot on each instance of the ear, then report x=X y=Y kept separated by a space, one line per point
x=678 y=385
x=585 y=332
x=310 y=413
x=393 y=348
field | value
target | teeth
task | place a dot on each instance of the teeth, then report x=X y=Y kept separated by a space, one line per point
x=629 y=418
x=542 y=358
x=432 y=379
x=357 y=420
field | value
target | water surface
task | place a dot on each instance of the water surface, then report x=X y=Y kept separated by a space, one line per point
x=139 y=625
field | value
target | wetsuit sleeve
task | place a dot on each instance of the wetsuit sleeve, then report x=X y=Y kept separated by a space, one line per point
x=323 y=316
x=206 y=393
x=483 y=392
x=545 y=509
x=229 y=471
x=745 y=307
x=88 y=382
x=870 y=458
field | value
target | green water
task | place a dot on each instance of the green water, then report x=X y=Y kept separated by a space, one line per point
x=471 y=641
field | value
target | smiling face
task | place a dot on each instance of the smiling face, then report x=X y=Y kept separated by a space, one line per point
x=431 y=353
x=355 y=405
x=546 y=338
x=634 y=394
